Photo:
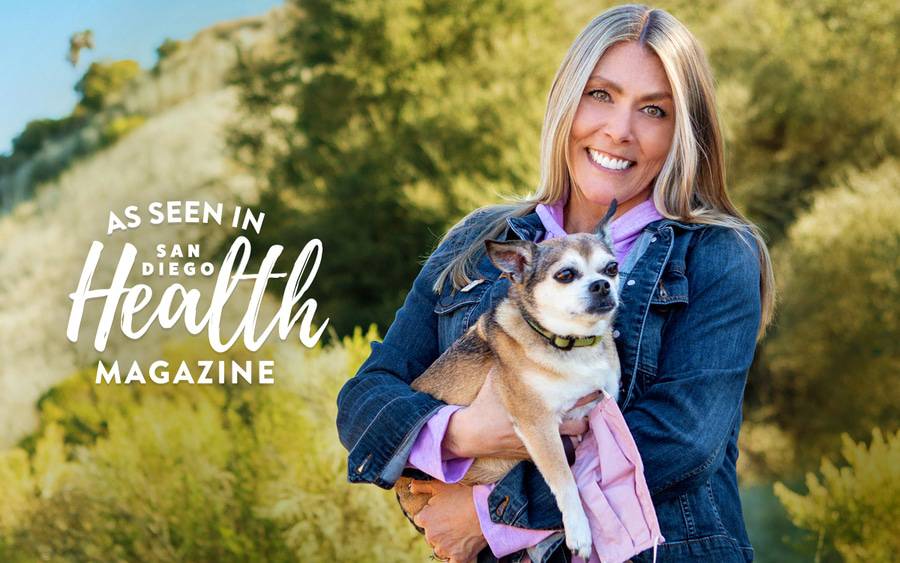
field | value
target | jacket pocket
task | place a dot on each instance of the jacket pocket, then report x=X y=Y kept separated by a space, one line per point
x=668 y=298
x=455 y=310
x=672 y=288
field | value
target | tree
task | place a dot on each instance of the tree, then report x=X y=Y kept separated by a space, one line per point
x=379 y=123
x=834 y=354
x=806 y=90
x=101 y=81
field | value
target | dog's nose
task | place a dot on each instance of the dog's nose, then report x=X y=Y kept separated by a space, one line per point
x=599 y=286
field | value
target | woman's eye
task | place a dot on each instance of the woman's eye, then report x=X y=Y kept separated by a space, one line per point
x=655 y=111
x=611 y=269
x=599 y=95
x=565 y=275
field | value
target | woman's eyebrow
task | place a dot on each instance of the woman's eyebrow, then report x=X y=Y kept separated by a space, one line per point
x=618 y=90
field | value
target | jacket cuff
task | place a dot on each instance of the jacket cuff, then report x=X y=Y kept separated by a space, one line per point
x=523 y=499
x=372 y=459
x=501 y=538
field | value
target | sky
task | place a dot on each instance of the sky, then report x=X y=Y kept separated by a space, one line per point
x=36 y=81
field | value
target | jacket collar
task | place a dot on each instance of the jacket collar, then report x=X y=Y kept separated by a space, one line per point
x=530 y=227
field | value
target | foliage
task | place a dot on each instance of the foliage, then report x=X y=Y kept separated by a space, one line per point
x=807 y=90
x=854 y=508
x=767 y=451
x=167 y=48
x=120 y=126
x=32 y=138
x=378 y=123
x=101 y=82
x=203 y=473
x=834 y=355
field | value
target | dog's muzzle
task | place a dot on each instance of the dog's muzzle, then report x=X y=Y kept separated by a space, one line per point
x=600 y=304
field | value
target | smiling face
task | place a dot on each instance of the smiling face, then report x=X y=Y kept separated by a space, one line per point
x=621 y=134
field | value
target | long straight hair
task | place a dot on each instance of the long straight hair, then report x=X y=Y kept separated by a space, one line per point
x=690 y=187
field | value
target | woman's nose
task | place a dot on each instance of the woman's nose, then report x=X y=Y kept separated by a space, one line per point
x=618 y=126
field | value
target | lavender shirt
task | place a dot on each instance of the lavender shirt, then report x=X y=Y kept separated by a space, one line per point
x=427 y=452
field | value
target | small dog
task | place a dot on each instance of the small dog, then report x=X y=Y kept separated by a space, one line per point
x=549 y=343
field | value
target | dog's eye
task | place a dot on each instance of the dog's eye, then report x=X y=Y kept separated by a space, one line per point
x=566 y=275
x=611 y=269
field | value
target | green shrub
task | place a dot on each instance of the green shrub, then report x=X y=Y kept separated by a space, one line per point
x=38 y=131
x=102 y=81
x=834 y=354
x=199 y=473
x=854 y=509
x=167 y=48
x=120 y=126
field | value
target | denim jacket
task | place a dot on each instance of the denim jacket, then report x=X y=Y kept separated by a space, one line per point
x=685 y=332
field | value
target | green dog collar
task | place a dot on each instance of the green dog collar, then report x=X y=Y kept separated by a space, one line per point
x=563 y=342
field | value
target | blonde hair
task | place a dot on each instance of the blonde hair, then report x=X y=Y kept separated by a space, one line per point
x=690 y=186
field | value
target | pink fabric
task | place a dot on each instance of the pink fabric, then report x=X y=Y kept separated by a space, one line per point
x=624 y=229
x=501 y=538
x=428 y=454
x=610 y=477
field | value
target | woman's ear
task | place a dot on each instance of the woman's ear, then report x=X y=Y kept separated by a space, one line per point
x=511 y=257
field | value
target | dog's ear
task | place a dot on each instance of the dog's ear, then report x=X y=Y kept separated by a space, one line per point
x=511 y=257
x=602 y=230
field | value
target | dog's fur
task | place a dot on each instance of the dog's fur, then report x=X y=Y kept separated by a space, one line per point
x=537 y=382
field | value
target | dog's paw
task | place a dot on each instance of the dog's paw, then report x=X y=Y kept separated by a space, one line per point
x=578 y=535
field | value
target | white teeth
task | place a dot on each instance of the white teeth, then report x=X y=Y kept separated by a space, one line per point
x=608 y=162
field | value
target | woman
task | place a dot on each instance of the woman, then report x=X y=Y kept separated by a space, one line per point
x=631 y=115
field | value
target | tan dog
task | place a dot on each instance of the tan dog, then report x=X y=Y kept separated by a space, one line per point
x=549 y=343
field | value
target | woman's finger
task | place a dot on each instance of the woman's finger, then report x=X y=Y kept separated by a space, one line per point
x=574 y=427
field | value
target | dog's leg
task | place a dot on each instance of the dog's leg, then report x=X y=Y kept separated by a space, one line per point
x=540 y=434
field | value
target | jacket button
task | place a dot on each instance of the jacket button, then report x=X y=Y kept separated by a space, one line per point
x=615 y=334
x=653 y=239
x=630 y=282
x=362 y=466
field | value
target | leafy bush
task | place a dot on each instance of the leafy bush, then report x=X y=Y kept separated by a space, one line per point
x=834 y=354
x=120 y=126
x=102 y=81
x=853 y=509
x=37 y=131
x=199 y=473
x=167 y=48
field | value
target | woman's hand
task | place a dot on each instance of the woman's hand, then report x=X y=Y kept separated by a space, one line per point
x=484 y=429
x=449 y=520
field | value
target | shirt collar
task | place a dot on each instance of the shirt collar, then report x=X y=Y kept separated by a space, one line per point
x=531 y=227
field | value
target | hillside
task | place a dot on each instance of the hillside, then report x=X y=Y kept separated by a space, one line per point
x=178 y=153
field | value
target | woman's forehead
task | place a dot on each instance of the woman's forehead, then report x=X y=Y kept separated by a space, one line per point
x=631 y=68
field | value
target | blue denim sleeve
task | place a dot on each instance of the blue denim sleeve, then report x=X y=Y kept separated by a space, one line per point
x=682 y=423
x=379 y=415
